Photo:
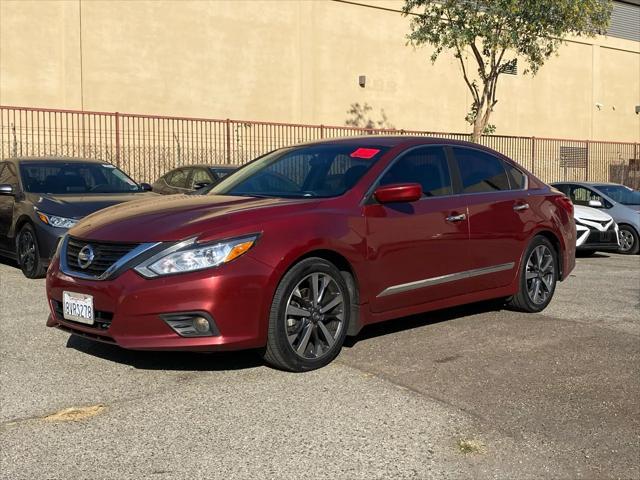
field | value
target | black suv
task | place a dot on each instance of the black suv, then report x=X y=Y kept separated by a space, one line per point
x=41 y=198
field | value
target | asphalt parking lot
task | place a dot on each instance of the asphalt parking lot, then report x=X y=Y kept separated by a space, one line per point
x=468 y=392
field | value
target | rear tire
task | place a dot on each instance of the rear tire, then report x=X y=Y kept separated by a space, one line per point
x=309 y=317
x=538 y=277
x=629 y=242
x=28 y=253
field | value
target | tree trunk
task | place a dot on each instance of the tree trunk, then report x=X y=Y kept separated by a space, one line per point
x=478 y=128
x=482 y=120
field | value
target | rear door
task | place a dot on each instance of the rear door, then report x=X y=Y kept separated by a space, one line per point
x=417 y=250
x=495 y=193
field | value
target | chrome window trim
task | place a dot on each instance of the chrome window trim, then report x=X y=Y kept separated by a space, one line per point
x=450 y=277
x=64 y=267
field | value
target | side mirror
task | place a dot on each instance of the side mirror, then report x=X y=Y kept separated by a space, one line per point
x=6 y=189
x=199 y=185
x=399 y=192
x=146 y=187
x=595 y=203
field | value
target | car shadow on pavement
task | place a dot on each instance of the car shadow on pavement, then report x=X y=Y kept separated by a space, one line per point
x=422 y=320
x=213 y=361
x=9 y=262
x=181 y=361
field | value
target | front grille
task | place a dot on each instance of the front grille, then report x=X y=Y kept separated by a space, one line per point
x=102 y=318
x=602 y=237
x=105 y=255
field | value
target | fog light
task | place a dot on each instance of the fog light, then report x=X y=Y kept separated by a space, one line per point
x=201 y=325
x=191 y=324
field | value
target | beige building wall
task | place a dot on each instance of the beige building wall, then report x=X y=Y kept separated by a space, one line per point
x=293 y=61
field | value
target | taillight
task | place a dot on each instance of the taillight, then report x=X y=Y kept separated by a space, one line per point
x=564 y=202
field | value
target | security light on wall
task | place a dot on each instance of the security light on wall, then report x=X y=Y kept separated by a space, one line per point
x=637 y=109
x=362 y=80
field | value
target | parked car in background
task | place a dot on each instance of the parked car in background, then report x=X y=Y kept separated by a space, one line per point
x=309 y=243
x=41 y=198
x=596 y=230
x=619 y=201
x=190 y=178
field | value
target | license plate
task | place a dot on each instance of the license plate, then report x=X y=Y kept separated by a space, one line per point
x=78 y=307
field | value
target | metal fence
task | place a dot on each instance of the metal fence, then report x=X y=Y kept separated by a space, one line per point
x=146 y=146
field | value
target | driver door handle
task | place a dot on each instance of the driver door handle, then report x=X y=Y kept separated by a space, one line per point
x=456 y=218
x=521 y=206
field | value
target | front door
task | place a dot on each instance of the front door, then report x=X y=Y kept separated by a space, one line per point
x=418 y=250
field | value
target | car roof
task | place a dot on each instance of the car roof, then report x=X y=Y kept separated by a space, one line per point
x=589 y=184
x=56 y=159
x=206 y=165
x=392 y=141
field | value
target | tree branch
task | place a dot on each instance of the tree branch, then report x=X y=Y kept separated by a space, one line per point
x=472 y=87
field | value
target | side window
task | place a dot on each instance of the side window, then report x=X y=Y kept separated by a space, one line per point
x=426 y=166
x=220 y=173
x=581 y=196
x=200 y=175
x=480 y=171
x=179 y=178
x=8 y=175
x=517 y=179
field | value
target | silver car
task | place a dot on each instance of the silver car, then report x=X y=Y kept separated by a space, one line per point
x=619 y=201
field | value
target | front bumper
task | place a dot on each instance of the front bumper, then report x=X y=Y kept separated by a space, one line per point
x=48 y=239
x=129 y=308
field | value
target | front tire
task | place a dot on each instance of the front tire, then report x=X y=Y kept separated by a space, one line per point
x=28 y=253
x=538 y=277
x=309 y=317
x=629 y=242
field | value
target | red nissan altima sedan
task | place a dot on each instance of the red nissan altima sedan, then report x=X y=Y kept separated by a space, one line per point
x=308 y=244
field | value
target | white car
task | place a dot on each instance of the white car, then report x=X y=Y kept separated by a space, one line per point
x=596 y=230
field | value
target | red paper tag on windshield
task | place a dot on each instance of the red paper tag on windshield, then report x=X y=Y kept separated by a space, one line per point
x=365 y=153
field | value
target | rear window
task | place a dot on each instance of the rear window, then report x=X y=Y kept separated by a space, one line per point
x=517 y=178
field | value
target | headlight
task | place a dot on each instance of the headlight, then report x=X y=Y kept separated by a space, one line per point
x=189 y=256
x=55 y=221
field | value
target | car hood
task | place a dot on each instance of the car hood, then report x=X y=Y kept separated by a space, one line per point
x=581 y=212
x=178 y=217
x=79 y=206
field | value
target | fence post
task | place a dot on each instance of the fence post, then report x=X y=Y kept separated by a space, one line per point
x=586 y=167
x=321 y=131
x=533 y=155
x=228 y=144
x=117 y=122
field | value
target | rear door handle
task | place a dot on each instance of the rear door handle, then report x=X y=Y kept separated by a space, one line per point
x=456 y=218
x=521 y=206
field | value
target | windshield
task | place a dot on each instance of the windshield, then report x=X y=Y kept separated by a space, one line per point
x=621 y=194
x=75 y=178
x=301 y=172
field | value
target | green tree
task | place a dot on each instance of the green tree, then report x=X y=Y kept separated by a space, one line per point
x=494 y=33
